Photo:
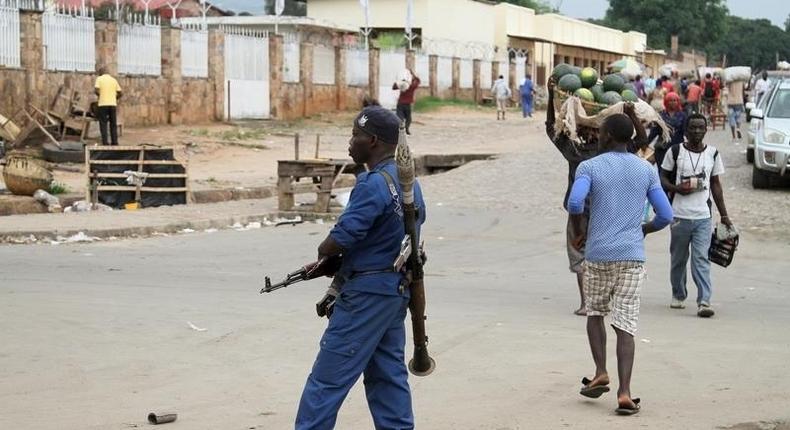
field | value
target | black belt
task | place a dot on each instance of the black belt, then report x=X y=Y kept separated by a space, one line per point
x=370 y=272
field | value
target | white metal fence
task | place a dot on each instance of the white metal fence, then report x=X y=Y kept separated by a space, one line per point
x=323 y=65
x=140 y=46
x=391 y=66
x=291 y=57
x=194 y=53
x=357 y=67
x=9 y=34
x=485 y=75
x=422 y=66
x=246 y=55
x=444 y=73
x=467 y=73
x=504 y=70
x=69 y=39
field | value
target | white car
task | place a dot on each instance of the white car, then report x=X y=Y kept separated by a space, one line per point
x=769 y=131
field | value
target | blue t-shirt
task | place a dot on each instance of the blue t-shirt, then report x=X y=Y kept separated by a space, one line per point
x=618 y=184
x=371 y=229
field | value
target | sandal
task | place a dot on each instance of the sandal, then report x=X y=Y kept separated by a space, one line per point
x=592 y=392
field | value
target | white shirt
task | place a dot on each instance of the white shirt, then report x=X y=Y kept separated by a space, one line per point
x=500 y=89
x=705 y=165
x=761 y=86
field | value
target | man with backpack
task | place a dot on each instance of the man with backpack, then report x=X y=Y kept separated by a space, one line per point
x=690 y=174
x=709 y=90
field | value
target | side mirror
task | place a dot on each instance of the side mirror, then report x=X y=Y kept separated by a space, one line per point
x=757 y=113
x=750 y=106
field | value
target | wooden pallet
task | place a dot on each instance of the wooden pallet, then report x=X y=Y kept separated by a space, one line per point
x=112 y=158
x=324 y=173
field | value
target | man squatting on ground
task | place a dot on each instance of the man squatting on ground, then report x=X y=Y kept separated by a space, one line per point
x=406 y=99
x=366 y=333
x=616 y=183
x=690 y=172
x=576 y=153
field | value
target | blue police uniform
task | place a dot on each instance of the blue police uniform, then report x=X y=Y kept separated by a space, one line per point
x=366 y=333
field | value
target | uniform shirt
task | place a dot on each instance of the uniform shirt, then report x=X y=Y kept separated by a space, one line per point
x=617 y=184
x=695 y=205
x=527 y=88
x=371 y=230
x=108 y=90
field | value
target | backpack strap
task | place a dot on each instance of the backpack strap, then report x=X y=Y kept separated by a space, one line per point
x=393 y=192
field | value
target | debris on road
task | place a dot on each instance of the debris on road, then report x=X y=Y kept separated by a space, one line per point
x=161 y=418
x=194 y=327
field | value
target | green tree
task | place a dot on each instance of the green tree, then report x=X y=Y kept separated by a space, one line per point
x=787 y=23
x=539 y=6
x=699 y=23
x=752 y=42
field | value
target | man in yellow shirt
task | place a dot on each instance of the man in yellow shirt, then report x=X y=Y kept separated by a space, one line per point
x=109 y=93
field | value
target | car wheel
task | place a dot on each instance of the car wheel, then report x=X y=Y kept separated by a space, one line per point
x=760 y=179
x=750 y=155
x=69 y=152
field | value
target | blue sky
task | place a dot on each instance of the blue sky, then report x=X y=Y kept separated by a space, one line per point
x=775 y=10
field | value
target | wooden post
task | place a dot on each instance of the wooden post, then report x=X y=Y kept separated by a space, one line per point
x=296 y=146
x=317 y=144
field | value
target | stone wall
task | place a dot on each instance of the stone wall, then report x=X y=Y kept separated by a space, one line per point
x=146 y=100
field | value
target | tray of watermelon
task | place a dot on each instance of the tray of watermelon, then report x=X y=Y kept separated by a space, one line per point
x=596 y=93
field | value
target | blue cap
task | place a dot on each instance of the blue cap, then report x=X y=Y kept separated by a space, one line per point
x=380 y=122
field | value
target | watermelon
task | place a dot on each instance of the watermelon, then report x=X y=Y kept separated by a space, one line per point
x=570 y=83
x=613 y=83
x=629 y=86
x=612 y=97
x=589 y=77
x=629 y=96
x=585 y=94
x=561 y=70
x=598 y=92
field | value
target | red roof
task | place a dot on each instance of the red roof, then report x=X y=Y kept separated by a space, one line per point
x=155 y=4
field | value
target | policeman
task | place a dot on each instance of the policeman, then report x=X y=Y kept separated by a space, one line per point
x=366 y=333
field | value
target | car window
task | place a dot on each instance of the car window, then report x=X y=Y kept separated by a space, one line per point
x=780 y=105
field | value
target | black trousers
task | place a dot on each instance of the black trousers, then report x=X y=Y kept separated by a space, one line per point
x=108 y=115
x=404 y=113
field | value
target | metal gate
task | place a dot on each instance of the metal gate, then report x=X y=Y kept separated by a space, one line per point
x=392 y=66
x=246 y=74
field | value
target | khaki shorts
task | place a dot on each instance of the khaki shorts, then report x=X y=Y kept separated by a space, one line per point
x=575 y=258
x=615 y=287
x=501 y=105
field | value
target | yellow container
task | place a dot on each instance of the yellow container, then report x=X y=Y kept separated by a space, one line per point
x=133 y=206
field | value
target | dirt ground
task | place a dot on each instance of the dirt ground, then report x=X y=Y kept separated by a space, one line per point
x=245 y=154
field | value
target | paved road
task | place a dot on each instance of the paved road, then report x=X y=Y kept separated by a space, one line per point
x=96 y=336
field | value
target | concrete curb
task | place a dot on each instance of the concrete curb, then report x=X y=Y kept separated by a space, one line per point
x=219 y=223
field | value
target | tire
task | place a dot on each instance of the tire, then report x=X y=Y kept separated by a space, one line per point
x=69 y=152
x=750 y=155
x=760 y=179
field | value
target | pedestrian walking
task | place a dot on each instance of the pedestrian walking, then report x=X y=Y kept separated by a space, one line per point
x=760 y=87
x=501 y=93
x=527 y=90
x=614 y=252
x=640 y=87
x=406 y=98
x=693 y=97
x=366 y=333
x=691 y=172
x=674 y=117
x=735 y=99
x=109 y=92
x=710 y=93
x=574 y=154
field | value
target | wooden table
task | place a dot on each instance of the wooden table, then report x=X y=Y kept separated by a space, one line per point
x=324 y=173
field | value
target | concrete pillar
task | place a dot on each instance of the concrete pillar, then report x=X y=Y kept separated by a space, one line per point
x=171 y=72
x=340 y=78
x=512 y=78
x=456 y=87
x=373 y=72
x=216 y=71
x=306 y=76
x=276 y=58
x=32 y=60
x=478 y=90
x=433 y=75
x=106 y=36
